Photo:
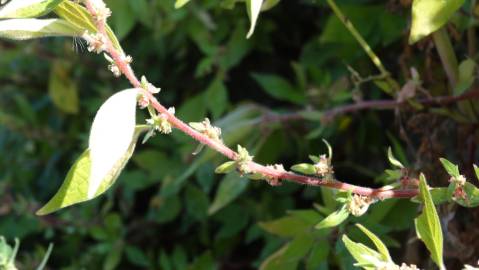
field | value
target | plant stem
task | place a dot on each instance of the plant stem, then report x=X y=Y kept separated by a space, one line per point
x=374 y=58
x=267 y=171
x=447 y=55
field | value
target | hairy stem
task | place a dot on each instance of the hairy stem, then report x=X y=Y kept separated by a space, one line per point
x=267 y=171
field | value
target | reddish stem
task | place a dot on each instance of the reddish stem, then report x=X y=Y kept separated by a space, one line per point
x=269 y=172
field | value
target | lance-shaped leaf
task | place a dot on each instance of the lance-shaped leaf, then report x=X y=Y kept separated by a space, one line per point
x=428 y=226
x=75 y=186
x=367 y=258
x=334 y=219
x=21 y=29
x=253 y=8
x=27 y=8
x=110 y=136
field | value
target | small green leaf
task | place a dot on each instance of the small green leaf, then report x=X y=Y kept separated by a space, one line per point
x=366 y=257
x=75 y=186
x=226 y=167
x=22 y=29
x=181 y=3
x=45 y=257
x=304 y=168
x=393 y=160
x=294 y=224
x=231 y=186
x=381 y=247
x=254 y=8
x=439 y=195
x=279 y=88
x=428 y=226
x=476 y=170
x=330 y=149
x=334 y=219
x=430 y=15
x=466 y=76
x=452 y=170
x=16 y=9
x=62 y=89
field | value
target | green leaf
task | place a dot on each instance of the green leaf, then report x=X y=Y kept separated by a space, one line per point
x=289 y=256
x=366 y=257
x=62 y=89
x=254 y=8
x=111 y=135
x=430 y=15
x=27 y=8
x=226 y=167
x=381 y=247
x=279 y=88
x=44 y=261
x=296 y=223
x=330 y=149
x=231 y=186
x=439 y=195
x=334 y=219
x=452 y=169
x=304 y=168
x=216 y=96
x=181 y=3
x=466 y=76
x=75 y=186
x=393 y=160
x=428 y=226
x=22 y=29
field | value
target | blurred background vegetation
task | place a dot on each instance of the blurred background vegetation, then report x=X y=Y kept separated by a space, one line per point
x=168 y=209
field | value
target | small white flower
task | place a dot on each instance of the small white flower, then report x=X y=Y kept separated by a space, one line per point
x=96 y=42
x=114 y=69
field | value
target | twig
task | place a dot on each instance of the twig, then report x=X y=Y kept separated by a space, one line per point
x=269 y=171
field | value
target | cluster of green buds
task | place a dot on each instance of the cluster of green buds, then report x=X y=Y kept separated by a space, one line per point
x=160 y=123
x=321 y=165
x=207 y=129
x=457 y=181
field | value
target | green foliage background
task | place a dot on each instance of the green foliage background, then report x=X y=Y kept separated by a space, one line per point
x=168 y=209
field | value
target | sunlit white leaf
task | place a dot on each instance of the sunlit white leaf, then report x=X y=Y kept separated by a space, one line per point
x=21 y=29
x=254 y=8
x=110 y=136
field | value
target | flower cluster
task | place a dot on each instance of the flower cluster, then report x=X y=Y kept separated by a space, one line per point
x=96 y=42
x=160 y=122
x=207 y=129
x=358 y=205
x=243 y=160
x=102 y=12
x=274 y=181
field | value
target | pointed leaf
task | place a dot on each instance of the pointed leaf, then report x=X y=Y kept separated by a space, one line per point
x=428 y=226
x=231 y=186
x=27 y=8
x=381 y=247
x=334 y=219
x=111 y=135
x=368 y=258
x=452 y=169
x=393 y=160
x=253 y=8
x=430 y=15
x=62 y=89
x=476 y=171
x=226 y=167
x=181 y=3
x=304 y=168
x=21 y=29
x=75 y=186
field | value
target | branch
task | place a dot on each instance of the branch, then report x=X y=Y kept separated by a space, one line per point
x=268 y=171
